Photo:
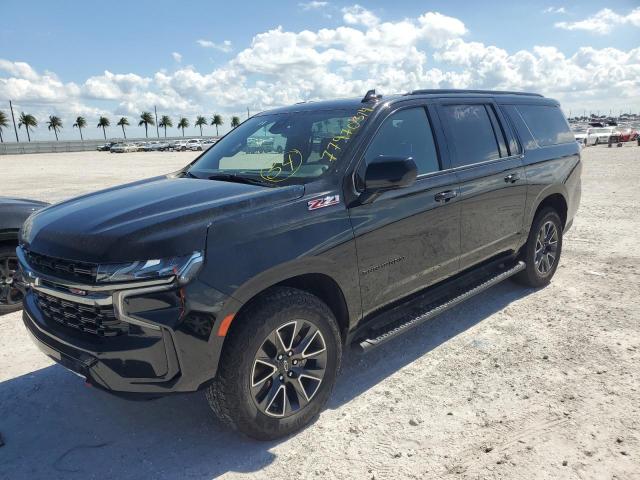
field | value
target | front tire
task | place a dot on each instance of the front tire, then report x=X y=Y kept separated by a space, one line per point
x=542 y=250
x=278 y=366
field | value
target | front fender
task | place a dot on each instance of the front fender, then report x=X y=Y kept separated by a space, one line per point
x=249 y=253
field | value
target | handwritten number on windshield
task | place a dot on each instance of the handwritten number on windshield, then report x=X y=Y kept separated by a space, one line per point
x=281 y=171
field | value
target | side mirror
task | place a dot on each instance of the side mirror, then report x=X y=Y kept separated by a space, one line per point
x=389 y=173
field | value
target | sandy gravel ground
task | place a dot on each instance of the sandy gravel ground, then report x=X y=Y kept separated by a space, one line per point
x=514 y=384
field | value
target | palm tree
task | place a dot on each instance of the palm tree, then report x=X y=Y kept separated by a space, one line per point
x=54 y=124
x=199 y=122
x=146 y=119
x=80 y=124
x=4 y=123
x=27 y=120
x=235 y=121
x=104 y=123
x=121 y=123
x=165 y=121
x=183 y=123
x=217 y=121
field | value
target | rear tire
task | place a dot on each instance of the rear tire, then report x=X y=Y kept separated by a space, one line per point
x=266 y=392
x=542 y=251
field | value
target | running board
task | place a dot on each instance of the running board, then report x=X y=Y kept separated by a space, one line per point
x=402 y=326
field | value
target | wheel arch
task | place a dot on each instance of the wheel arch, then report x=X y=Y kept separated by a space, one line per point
x=321 y=285
x=558 y=202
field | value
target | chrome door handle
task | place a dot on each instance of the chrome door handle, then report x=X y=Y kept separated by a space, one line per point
x=512 y=178
x=445 y=196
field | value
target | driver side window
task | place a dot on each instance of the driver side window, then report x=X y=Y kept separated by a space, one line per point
x=406 y=133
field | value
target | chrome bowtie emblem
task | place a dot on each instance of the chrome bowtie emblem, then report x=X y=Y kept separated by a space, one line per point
x=77 y=291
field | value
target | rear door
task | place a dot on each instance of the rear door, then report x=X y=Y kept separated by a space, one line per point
x=488 y=163
x=408 y=238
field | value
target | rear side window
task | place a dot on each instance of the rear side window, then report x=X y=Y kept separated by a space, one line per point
x=473 y=134
x=547 y=124
x=406 y=133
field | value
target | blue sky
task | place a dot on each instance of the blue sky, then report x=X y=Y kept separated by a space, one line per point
x=118 y=58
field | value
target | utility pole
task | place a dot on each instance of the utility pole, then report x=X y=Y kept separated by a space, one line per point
x=14 y=122
x=248 y=114
x=155 y=110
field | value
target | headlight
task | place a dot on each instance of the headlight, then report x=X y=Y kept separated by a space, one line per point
x=184 y=268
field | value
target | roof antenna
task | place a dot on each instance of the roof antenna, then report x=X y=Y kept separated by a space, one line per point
x=371 y=95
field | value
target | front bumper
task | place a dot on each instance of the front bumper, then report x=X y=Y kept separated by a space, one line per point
x=170 y=343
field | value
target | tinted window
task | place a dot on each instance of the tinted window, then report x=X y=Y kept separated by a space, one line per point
x=406 y=134
x=472 y=134
x=547 y=124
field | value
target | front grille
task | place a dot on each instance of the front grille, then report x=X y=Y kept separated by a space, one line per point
x=100 y=321
x=78 y=271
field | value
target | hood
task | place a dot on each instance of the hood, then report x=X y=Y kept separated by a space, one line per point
x=14 y=211
x=10 y=201
x=154 y=218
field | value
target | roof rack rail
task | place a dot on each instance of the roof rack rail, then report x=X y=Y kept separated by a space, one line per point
x=452 y=90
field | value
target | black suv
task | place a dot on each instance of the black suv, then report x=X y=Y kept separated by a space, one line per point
x=247 y=272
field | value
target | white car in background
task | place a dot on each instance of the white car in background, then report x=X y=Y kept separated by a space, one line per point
x=581 y=137
x=598 y=135
x=123 y=148
x=194 y=145
x=179 y=145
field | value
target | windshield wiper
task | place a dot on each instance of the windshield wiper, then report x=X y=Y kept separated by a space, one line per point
x=230 y=177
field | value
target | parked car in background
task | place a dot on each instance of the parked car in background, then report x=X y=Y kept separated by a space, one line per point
x=105 y=147
x=599 y=135
x=140 y=146
x=13 y=213
x=194 y=145
x=581 y=137
x=156 y=146
x=179 y=145
x=248 y=278
x=628 y=134
x=124 y=148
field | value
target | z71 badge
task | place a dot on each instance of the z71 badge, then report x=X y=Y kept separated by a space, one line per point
x=327 y=201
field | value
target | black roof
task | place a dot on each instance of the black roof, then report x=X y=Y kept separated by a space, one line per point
x=355 y=103
x=445 y=91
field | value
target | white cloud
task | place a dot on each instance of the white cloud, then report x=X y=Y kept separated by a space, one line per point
x=313 y=5
x=177 y=57
x=110 y=86
x=225 y=46
x=357 y=15
x=554 y=10
x=603 y=22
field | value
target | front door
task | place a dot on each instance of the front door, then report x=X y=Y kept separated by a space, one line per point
x=409 y=238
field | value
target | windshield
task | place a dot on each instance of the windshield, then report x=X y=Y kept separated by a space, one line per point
x=283 y=148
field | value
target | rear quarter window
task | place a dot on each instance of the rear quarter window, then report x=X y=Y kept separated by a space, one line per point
x=547 y=124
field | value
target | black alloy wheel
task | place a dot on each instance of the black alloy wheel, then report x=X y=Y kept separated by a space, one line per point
x=288 y=368
x=278 y=366
x=546 y=251
x=11 y=294
x=541 y=254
